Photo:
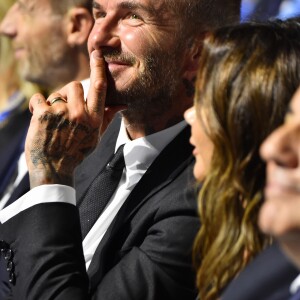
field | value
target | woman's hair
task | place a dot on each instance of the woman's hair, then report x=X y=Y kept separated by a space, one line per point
x=247 y=76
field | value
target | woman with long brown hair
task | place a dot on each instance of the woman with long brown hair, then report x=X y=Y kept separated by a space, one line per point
x=247 y=76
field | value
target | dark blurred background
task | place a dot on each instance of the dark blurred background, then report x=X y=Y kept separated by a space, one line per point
x=261 y=10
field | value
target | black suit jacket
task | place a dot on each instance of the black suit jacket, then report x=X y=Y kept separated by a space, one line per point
x=267 y=277
x=145 y=253
x=12 y=137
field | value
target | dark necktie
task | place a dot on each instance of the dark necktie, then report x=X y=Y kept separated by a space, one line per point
x=296 y=296
x=100 y=191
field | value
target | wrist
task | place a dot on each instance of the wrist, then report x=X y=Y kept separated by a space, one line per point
x=49 y=176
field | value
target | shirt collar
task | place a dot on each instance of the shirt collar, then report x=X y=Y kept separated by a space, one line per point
x=85 y=85
x=16 y=103
x=294 y=287
x=140 y=153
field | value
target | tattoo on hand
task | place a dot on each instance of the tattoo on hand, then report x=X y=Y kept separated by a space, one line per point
x=61 y=145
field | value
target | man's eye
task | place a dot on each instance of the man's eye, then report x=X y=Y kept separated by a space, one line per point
x=135 y=17
x=98 y=15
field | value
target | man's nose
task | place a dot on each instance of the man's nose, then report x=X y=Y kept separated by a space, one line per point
x=105 y=33
x=281 y=147
x=8 y=24
x=190 y=115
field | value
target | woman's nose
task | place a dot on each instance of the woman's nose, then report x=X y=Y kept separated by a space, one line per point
x=190 y=115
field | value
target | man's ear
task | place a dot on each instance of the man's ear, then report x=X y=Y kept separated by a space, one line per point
x=193 y=54
x=80 y=23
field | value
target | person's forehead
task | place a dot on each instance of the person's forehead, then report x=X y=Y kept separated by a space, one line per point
x=158 y=10
x=36 y=3
x=120 y=3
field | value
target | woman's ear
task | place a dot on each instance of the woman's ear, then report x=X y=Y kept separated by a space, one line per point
x=80 y=23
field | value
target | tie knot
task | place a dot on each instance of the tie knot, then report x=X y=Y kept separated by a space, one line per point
x=117 y=162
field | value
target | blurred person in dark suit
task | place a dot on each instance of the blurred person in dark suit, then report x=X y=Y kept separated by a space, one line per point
x=49 y=40
x=47 y=45
x=14 y=120
x=14 y=113
x=280 y=214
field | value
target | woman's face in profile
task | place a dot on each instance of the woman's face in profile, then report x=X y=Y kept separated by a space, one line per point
x=199 y=139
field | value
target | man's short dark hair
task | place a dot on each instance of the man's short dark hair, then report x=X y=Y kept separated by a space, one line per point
x=206 y=15
x=62 y=6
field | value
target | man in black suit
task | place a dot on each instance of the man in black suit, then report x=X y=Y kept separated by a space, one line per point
x=268 y=277
x=144 y=57
x=280 y=214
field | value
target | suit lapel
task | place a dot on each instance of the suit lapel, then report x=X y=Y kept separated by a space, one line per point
x=11 y=144
x=22 y=188
x=167 y=166
x=8 y=155
x=163 y=171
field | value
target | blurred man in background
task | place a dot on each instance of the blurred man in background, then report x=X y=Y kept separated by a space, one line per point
x=49 y=44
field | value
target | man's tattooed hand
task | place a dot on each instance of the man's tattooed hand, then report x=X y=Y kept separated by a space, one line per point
x=65 y=128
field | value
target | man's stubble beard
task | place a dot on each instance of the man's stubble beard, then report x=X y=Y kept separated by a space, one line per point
x=49 y=68
x=153 y=91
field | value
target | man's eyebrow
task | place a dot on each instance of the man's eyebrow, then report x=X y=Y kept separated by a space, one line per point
x=132 y=5
x=96 y=5
x=150 y=9
x=129 y=5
